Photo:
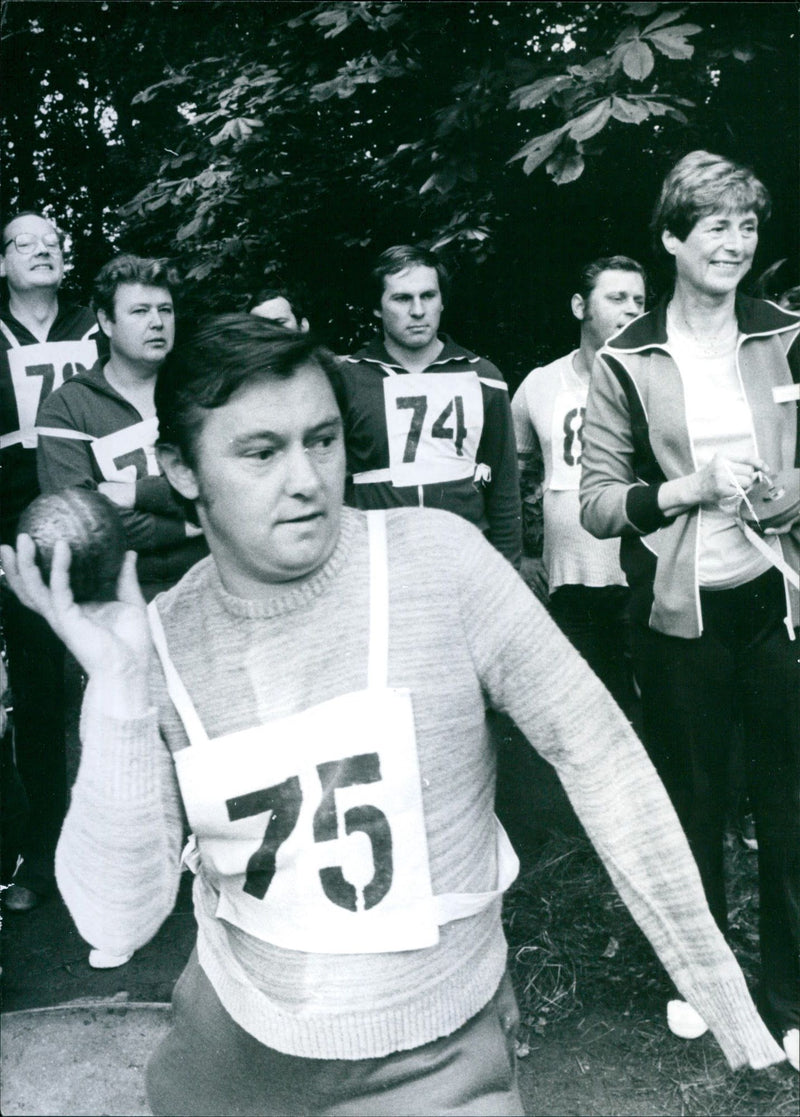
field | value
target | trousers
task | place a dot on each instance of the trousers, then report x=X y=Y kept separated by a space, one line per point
x=745 y=669
x=207 y=1064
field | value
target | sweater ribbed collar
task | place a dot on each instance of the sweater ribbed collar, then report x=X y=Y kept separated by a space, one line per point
x=289 y=596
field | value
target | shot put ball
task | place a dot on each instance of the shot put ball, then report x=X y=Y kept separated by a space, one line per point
x=92 y=527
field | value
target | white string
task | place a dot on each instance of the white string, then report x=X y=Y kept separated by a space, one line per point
x=741 y=492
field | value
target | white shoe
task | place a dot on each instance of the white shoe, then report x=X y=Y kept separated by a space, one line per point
x=102 y=960
x=791 y=1045
x=684 y=1022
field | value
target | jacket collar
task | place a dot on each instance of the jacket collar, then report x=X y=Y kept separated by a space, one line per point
x=375 y=352
x=755 y=317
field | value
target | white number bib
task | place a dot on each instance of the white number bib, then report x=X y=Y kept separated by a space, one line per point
x=569 y=410
x=37 y=370
x=312 y=827
x=434 y=424
x=129 y=454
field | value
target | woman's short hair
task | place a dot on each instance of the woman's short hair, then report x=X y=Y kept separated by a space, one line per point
x=130 y=269
x=701 y=184
x=215 y=358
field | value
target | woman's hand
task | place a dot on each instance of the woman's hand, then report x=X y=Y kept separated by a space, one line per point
x=721 y=479
x=110 y=639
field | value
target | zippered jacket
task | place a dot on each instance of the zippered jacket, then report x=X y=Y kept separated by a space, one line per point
x=105 y=438
x=29 y=370
x=445 y=442
x=636 y=437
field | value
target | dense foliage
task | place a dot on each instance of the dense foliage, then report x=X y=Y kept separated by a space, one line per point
x=293 y=141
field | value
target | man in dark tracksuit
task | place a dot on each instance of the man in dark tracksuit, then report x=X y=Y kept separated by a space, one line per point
x=99 y=430
x=426 y=421
x=43 y=342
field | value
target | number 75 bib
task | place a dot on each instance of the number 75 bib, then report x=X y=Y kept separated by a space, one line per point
x=434 y=423
x=311 y=828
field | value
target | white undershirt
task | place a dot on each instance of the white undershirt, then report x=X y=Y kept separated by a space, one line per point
x=719 y=421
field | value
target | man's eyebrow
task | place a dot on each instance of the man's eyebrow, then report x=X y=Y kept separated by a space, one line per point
x=334 y=422
x=250 y=438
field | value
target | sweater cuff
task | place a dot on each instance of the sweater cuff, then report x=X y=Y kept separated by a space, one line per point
x=741 y=1033
x=642 y=509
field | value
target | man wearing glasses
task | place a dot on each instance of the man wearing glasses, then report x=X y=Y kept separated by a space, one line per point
x=43 y=341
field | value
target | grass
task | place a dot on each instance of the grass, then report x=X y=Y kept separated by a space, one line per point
x=575 y=955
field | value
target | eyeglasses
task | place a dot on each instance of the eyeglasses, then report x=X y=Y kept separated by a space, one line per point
x=25 y=243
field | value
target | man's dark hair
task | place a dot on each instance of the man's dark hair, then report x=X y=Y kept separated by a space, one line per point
x=130 y=269
x=590 y=273
x=215 y=358
x=401 y=257
x=26 y=213
x=267 y=294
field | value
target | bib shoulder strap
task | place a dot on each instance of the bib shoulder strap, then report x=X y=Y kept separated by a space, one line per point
x=175 y=688
x=378 y=664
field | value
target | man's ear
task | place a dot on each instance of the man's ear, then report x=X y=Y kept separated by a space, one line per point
x=105 y=322
x=304 y=326
x=578 y=304
x=2 y=267
x=178 y=473
x=377 y=313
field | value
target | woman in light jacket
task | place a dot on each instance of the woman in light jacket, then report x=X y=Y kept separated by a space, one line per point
x=689 y=406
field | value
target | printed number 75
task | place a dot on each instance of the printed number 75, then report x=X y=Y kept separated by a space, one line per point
x=284 y=801
x=419 y=406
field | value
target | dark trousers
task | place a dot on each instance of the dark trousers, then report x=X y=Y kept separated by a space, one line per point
x=595 y=621
x=743 y=665
x=36 y=677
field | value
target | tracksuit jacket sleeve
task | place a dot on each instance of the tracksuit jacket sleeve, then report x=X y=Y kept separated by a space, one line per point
x=68 y=463
x=530 y=671
x=502 y=500
x=613 y=500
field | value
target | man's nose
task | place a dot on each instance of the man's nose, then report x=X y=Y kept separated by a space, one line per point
x=155 y=319
x=417 y=308
x=302 y=478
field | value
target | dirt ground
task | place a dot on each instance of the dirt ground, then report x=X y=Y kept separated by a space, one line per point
x=613 y=1061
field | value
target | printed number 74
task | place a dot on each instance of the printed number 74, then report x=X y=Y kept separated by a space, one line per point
x=419 y=406
x=284 y=801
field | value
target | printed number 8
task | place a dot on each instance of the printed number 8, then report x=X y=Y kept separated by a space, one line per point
x=573 y=425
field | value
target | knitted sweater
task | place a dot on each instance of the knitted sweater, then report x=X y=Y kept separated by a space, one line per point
x=464 y=630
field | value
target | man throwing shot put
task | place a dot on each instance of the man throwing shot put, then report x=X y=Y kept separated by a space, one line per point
x=312 y=697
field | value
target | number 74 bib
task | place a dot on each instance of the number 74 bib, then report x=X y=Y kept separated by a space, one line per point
x=434 y=423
